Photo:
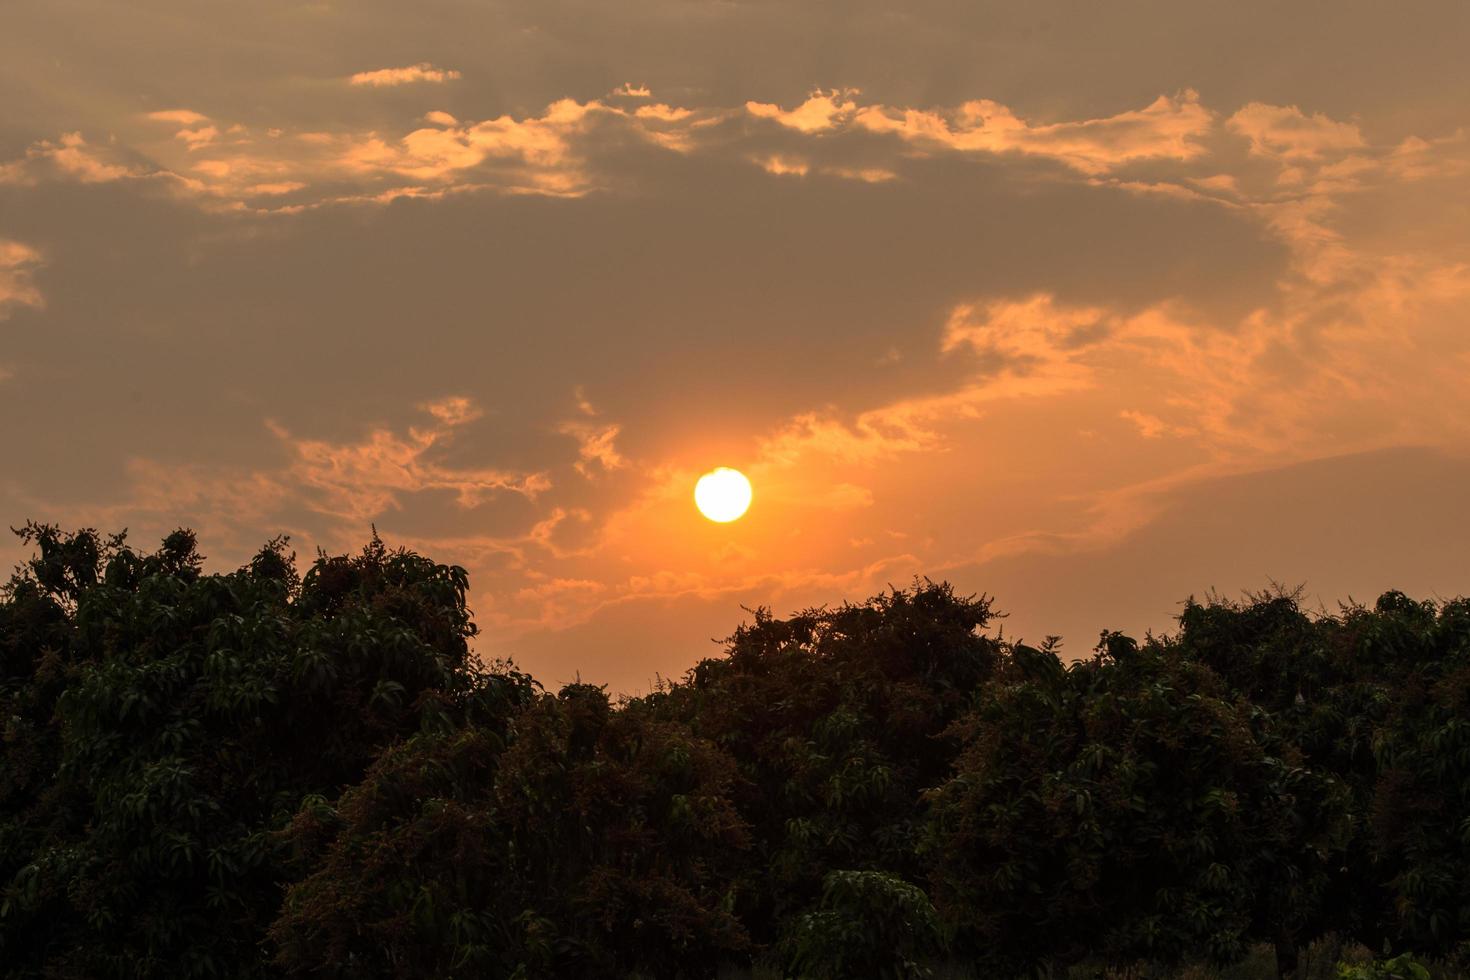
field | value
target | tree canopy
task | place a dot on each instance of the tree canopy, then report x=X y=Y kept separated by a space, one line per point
x=269 y=772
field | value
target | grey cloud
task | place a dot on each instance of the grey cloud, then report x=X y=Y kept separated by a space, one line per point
x=1053 y=60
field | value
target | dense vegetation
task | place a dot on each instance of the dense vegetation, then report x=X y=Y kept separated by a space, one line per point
x=264 y=773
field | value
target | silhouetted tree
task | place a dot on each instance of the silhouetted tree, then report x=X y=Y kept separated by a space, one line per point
x=1372 y=697
x=833 y=717
x=598 y=843
x=164 y=722
x=1126 y=808
x=255 y=772
x=1420 y=812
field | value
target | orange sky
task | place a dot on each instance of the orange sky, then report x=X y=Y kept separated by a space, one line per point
x=1088 y=307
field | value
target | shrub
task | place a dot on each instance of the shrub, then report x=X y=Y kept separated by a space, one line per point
x=1401 y=967
x=867 y=924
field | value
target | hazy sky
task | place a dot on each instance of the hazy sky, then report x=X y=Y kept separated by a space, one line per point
x=1087 y=306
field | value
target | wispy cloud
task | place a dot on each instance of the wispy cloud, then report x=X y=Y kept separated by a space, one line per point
x=421 y=72
x=358 y=481
x=596 y=446
x=184 y=117
x=822 y=111
x=1171 y=146
x=18 y=265
x=1169 y=128
x=564 y=150
x=73 y=157
x=1289 y=133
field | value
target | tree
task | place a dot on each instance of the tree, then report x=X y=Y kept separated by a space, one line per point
x=1374 y=697
x=576 y=841
x=1420 y=813
x=239 y=774
x=867 y=924
x=833 y=717
x=1126 y=808
x=165 y=722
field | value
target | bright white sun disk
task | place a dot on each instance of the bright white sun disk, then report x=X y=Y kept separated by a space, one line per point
x=722 y=494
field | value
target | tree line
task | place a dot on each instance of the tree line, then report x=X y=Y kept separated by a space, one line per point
x=271 y=773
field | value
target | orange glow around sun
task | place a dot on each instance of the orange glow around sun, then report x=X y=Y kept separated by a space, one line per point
x=722 y=494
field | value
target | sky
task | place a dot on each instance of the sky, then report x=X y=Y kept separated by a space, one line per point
x=1085 y=307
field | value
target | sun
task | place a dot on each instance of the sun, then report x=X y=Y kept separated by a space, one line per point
x=722 y=494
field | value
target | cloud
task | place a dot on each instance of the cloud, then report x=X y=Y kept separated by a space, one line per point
x=197 y=131
x=197 y=138
x=453 y=410
x=786 y=165
x=663 y=113
x=872 y=435
x=1288 y=133
x=231 y=496
x=541 y=146
x=596 y=446
x=18 y=265
x=1169 y=128
x=73 y=157
x=1151 y=426
x=233 y=168
x=559 y=600
x=573 y=148
x=1029 y=348
x=868 y=175
x=1022 y=333
x=596 y=441
x=184 y=117
x=783 y=166
x=997 y=410
x=821 y=111
x=327 y=491
x=1442 y=158
x=421 y=72
x=358 y=481
x=1325 y=363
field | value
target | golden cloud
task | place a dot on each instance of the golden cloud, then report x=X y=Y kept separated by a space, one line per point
x=596 y=446
x=359 y=480
x=1169 y=128
x=820 y=112
x=568 y=149
x=1288 y=133
x=421 y=72
x=18 y=265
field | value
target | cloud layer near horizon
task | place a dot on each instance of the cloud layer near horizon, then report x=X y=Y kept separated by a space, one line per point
x=1001 y=327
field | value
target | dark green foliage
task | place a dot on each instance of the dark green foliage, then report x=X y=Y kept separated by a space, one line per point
x=1376 y=697
x=597 y=843
x=867 y=924
x=257 y=774
x=1421 y=808
x=833 y=717
x=1402 y=967
x=163 y=722
x=1126 y=808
